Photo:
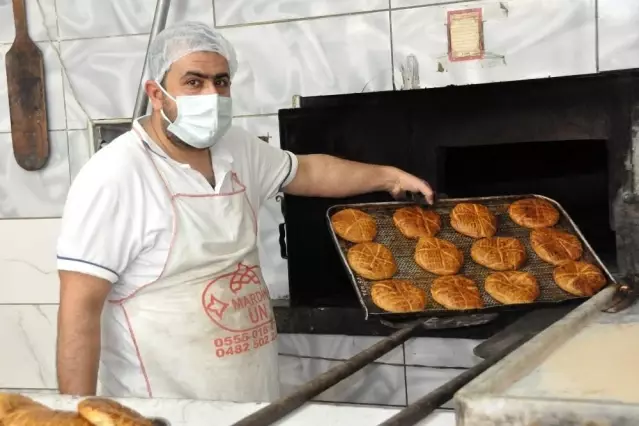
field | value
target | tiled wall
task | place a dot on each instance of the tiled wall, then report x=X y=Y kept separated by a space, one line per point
x=94 y=51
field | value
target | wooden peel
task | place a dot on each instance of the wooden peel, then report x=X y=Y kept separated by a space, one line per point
x=27 y=104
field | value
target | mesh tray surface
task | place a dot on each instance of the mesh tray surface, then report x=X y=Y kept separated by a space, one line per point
x=403 y=250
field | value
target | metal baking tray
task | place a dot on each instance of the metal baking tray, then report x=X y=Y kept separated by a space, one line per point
x=403 y=250
x=525 y=389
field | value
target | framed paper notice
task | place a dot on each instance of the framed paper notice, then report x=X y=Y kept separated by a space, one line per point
x=465 y=35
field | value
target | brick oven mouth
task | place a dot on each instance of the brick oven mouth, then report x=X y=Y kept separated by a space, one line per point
x=572 y=172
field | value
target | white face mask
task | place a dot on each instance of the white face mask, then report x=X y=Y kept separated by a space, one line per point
x=201 y=120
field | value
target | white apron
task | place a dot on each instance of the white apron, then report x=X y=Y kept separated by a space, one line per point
x=204 y=329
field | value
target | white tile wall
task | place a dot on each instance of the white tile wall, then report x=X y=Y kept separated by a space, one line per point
x=523 y=39
x=42 y=22
x=420 y=381
x=439 y=352
x=237 y=12
x=277 y=61
x=27 y=264
x=618 y=34
x=41 y=193
x=378 y=384
x=98 y=18
x=27 y=358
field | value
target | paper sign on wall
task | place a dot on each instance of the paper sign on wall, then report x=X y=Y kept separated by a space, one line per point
x=465 y=35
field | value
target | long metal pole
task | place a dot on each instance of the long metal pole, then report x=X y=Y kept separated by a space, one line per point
x=284 y=406
x=159 y=22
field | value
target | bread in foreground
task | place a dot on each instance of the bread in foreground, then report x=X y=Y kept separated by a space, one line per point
x=36 y=416
x=372 y=261
x=10 y=402
x=414 y=222
x=512 y=287
x=533 y=213
x=473 y=220
x=438 y=256
x=499 y=253
x=456 y=292
x=579 y=278
x=354 y=225
x=555 y=246
x=398 y=296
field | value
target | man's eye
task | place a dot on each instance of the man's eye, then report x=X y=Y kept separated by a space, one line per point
x=193 y=83
x=222 y=82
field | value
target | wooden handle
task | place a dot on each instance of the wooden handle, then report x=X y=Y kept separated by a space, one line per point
x=20 y=18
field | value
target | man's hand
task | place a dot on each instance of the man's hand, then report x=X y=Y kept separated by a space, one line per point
x=401 y=182
x=82 y=299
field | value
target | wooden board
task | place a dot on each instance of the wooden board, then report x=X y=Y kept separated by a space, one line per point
x=27 y=104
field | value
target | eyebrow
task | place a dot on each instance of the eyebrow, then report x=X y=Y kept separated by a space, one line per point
x=206 y=76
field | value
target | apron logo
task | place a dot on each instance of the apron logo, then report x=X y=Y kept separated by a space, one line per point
x=237 y=301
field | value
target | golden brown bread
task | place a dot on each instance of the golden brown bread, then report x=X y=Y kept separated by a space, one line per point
x=499 y=253
x=533 y=213
x=579 y=278
x=456 y=292
x=438 y=256
x=473 y=220
x=105 y=412
x=398 y=296
x=414 y=222
x=372 y=261
x=37 y=416
x=354 y=225
x=555 y=246
x=511 y=287
x=10 y=402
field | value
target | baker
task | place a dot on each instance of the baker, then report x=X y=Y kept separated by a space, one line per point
x=161 y=293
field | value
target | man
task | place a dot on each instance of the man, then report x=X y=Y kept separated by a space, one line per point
x=159 y=275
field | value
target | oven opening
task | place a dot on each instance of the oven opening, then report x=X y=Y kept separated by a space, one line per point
x=574 y=173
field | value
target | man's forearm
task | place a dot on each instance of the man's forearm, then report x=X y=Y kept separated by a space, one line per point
x=326 y=176
x=78 y=353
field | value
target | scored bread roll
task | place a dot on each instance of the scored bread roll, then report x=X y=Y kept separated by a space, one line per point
x=555 y=246
x=579 y=278
x=10 y=402
x=499 y=253
x=398 y=296
x=105 y=412
x=512 y=287
x=354 y=225
x=372 y=261
x=456 y=292
x=438 y=256
x=36 y=416
x=533 y=213
x=414 y=222
x=473 y=220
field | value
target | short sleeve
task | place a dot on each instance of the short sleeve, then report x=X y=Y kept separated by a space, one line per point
x=97 y=233
x=273 y=167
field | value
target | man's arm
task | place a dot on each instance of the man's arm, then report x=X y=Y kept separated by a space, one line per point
x=82 y=298
x=321 y=175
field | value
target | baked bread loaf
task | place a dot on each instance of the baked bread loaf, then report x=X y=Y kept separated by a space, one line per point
x=10 y=402
x=354 y=225
x=512 y=287
x=398 y=296
x=36 y=416
x=499 y=253
x=579 y=278
x=372 y=261
x=473 y=220
x=533 y=213
x=555 y=246
x=438 y=256
x=456 y=292
x=105 y=412
x=414 y=222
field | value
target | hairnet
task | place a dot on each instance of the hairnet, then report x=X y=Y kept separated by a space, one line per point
x=177 y=41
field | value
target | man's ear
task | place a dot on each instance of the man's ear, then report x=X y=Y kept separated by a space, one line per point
x=155 y=94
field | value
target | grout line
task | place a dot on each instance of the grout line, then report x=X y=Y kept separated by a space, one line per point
x=392 y=52
x=405 y=368
x=392 y=364
x=364 y=404
x=271 y=114
x=61 y=40
x=309 y=18
x=214 y=15
x=596 y=35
